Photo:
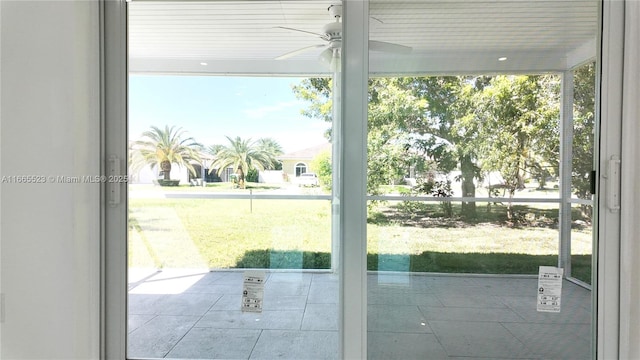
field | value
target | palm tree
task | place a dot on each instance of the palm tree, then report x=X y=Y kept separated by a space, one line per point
x=272 y=149
x=163 y=147
x=243 y=155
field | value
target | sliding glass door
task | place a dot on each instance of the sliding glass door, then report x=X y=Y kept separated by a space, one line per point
x=479 y=165
x=380 y=179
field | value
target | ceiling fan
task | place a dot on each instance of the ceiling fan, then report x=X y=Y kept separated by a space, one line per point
x=332 y=35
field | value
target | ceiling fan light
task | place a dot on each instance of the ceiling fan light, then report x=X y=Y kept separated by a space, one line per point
x=326 y=56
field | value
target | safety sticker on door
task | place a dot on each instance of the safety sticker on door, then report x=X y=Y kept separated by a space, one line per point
x=253 y=290
x=549 y=289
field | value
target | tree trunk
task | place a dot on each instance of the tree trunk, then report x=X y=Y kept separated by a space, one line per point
x=468 y=187
x=240 y=173
x=165 y=166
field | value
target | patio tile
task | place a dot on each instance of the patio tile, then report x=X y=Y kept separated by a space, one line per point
x=208 y=343
x=273 y=302
x=135 y=321
x=385 y=345
x=228 y=302
x=320 y=317
x=296 y=345
x=396 y=318
x=186 y=304
x=285 y=288
x=468 y=314
x=396 y=297
x=295 y=277
x=509 y=286
x=142 y=304
x=236 y=319
x=484 y=339
x=557 y=341
x=324 y=277
x=169 y=282
x=469 y=297
x=323 y=292
x=567 y=315
x=158 y=336
x=215 y=288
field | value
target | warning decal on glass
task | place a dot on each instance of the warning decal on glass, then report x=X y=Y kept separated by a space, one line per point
x=253 y=291
x=549 y=289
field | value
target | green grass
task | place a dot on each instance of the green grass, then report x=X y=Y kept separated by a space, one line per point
x=296 y=234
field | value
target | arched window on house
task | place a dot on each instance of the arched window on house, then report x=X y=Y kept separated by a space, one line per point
x=301 y=168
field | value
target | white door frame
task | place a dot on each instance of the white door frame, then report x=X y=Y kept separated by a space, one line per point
x=353 y=325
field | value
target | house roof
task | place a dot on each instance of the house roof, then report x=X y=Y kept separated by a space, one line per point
x=246 y=36
x=306 y=154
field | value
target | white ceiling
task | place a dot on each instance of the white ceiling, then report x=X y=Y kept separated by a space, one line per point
x=447 y=36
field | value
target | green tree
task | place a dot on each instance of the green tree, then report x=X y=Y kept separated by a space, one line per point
x=412 y=123
x=242 y=155
x=519 y=127
x=272 y=149
x=584 y=94
x=164 y=147
x=321 y=165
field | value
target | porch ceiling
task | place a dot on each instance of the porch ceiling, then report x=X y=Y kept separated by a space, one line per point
x=447 y=36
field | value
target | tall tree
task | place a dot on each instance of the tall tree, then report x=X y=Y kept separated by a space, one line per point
x=242 y=155
x=272 y=149
x=412 y=122
x=584 y=94
x=519 y=127
x=164 y=147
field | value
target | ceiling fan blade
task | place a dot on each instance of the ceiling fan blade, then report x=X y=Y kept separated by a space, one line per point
x=299 y=51
x=302 y=31
x=389 y=47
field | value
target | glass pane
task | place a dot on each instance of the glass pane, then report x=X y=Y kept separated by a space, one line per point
x=584 y=97
x=231 y=233
x=463 y=181
x=581 y=242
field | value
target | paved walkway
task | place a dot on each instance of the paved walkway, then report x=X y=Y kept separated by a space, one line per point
x=189 y=314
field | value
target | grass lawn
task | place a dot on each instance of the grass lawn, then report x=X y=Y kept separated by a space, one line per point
x=296 y=234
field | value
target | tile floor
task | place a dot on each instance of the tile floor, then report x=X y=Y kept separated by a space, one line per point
x=186 y=314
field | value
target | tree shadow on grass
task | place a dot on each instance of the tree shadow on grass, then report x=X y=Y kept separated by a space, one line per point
x=428 y=261
x=430 y=215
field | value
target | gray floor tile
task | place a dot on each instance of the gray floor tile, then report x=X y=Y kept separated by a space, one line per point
x=296 y=345
x=396 y=318
x=228 y=302
x=409 y=316
x=402 y=298
x=155 y=338
x=320 y=317
x=236 y=319
x=323 y=292
x=567 y=315
x=208 y=343
x=465 y=300
x=286 y=288
x=484 y=339
x=143 y=304
x=135 y=321
x=324 y=277
x=215 y=288
x=186 y=304
x=296 y=277
x=385 y=346
x=274 y=302
x=557 y=341
x=468 y=314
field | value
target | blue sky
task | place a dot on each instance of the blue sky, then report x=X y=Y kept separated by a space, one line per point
x=210 y=107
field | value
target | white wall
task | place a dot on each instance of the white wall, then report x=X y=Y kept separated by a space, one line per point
x=50 y=126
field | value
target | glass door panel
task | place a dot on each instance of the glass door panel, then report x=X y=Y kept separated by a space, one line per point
x=231 y=249
x=465 y=181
